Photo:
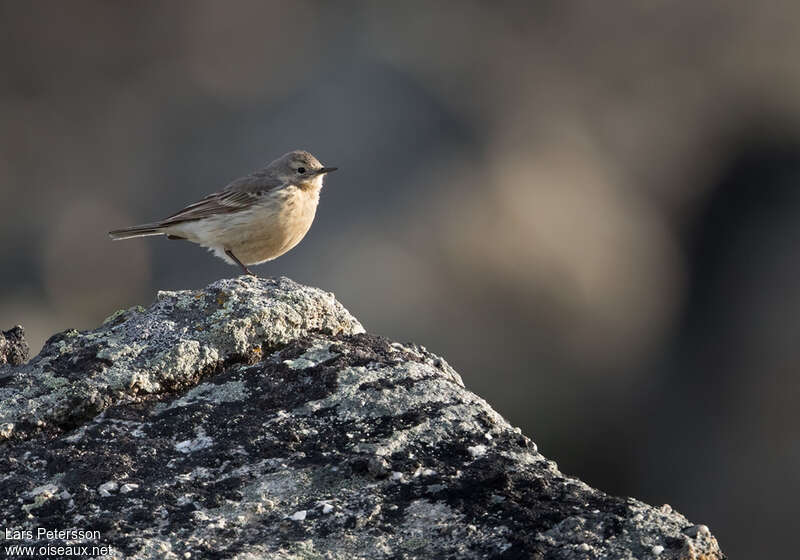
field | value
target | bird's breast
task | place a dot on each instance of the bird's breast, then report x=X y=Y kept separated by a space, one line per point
x=276 y=225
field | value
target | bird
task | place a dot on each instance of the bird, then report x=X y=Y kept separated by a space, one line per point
x=254 y=219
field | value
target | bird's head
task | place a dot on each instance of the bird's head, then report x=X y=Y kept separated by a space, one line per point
x=299 y=168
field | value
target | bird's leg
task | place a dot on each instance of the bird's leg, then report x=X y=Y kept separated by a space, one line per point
x=237 y=261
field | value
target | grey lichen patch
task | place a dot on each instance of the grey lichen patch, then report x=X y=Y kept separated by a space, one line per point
x=200 y=441
x=169 y=346
x=375 y=392
x=231 y=391
x=312 y=357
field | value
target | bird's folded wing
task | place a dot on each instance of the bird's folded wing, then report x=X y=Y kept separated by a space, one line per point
x=239 y=195
x=223 y=202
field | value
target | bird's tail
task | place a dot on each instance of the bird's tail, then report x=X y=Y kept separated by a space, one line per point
x=136 y=231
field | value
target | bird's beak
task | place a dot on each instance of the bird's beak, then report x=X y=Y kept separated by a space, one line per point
x=323 y=170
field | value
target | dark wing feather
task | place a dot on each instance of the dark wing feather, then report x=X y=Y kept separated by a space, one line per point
x=238 y=195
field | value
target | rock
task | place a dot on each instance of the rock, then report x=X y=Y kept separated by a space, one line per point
x=13 y=348
x=255 y=418
x=168 y=347
x=378 y=467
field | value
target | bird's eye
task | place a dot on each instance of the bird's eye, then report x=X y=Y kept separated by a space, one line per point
x=301 y=170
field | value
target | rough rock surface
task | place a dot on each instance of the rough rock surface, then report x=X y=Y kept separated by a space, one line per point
x=13 y=348
x=255 y=419
x=168 y=347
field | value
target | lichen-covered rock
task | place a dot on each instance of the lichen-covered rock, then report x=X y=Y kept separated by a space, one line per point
x=167 y=347
x=13 y=348
x=329 y=443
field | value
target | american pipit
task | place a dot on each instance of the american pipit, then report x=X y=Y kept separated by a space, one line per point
x=254 y=219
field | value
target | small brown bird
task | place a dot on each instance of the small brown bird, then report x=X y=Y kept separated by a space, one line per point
x=254 y=219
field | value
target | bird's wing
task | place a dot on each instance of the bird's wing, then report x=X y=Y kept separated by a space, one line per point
x=239 y=195
x=259 y=181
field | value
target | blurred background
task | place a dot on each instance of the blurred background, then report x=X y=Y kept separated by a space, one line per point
x=591 y=209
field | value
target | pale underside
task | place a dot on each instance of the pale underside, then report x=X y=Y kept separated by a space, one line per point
x=258 y=232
